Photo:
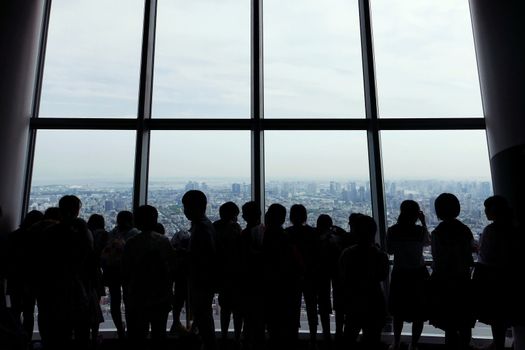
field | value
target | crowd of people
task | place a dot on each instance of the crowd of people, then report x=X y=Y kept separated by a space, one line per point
x=262 y=273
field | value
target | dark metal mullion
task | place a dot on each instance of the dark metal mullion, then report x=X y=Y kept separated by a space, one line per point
x=140 y=182
x=374 y=142
x=37 y=93
x=199 y=124
x=315 y=124
x=257 y=103
x=431 y=124
x=84 y=124
x=264 y=124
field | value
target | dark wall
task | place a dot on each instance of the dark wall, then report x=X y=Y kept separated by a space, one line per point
x=20 y=27
x=499 y=36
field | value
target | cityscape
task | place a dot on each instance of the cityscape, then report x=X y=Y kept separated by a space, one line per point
x=335 y=198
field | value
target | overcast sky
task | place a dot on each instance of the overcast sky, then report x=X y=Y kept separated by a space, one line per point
x=425 y=64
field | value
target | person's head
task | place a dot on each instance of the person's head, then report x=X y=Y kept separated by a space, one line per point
x=194 y=202
x=125 y=219
x=159 y=228
x=324 y=222
x=31 y=218
x=447 y=206
x=96 y=222
x=497 y=208
x=409 y=212
x=251 y=213
x=69 y=207
x=229 y=211
x=52 y=213
x=298 y=214
x=365 y=229
x=352 y=219
x=275 y=216
x=146 y=218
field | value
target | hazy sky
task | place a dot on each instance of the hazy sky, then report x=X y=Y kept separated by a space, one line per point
x=425 y=65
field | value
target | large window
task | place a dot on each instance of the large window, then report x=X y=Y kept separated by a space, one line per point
x=273 y=103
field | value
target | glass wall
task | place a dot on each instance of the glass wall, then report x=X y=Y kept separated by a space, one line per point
x=312 y=144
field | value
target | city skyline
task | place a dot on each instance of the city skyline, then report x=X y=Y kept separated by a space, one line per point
x=338 y=199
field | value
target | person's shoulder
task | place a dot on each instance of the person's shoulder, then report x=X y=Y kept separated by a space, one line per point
x=79 y=222
x=463 y=228
x=353 y=249
x=135 y=239
x=393 y=230
x=161 y=239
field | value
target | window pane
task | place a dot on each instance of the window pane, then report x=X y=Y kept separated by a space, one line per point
x=326 y=171
x=92 y=59
x=96 y=166
x=312 y=56
x=215 y=162
x=420 y=165
x=425 y=59
x=202 y=64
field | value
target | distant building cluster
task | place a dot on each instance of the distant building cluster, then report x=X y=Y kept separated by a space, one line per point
x=336 y=198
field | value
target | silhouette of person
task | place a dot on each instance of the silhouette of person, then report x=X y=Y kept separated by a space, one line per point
x=66 y=270
x=35 y=239
x=111 y=260
x=202 y=263
x=20 y=271
x=146 y=274
x=228 y=236
x=96 y=224
x=252 y=270
x=180 y=242
x=407 y=299
x=363 y=267
x=452 y=248
x=281 y=276
x=306 y=243
x=325 y=272
x=492 y=271
x=517 y=290
x=339 y=241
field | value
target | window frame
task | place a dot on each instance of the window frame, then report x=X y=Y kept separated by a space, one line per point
x=143 y=124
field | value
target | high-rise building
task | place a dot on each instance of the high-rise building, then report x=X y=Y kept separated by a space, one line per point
x=236 y=188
